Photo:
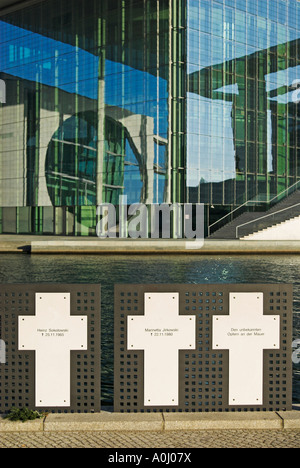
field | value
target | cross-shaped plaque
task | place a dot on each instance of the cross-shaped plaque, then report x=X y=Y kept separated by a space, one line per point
x=52 y=333
x=246 y=332
x=161 y=333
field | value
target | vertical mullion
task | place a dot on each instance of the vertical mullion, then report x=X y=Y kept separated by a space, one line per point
x=101 y=42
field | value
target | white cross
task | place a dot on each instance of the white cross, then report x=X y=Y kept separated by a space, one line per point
x=52 y=333
x=161 y=333
x=246 y=332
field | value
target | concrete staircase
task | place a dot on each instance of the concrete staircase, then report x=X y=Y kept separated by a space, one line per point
x=286 y=231
x=286 y=209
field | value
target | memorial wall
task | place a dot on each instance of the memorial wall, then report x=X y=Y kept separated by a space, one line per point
x=179 y=348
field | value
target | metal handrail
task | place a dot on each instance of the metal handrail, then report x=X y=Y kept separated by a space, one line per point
x=281 y=193
x=263 y=217
x=253 y=201
x=231 y=213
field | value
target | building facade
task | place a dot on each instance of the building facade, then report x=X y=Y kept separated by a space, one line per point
x=165 y=101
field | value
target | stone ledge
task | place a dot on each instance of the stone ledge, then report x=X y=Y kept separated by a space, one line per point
x=223 y=421
x=158 y=246
x=291 y=419
x=104 y=422
x=17 y=243
x=157 y=422
x=17 y=426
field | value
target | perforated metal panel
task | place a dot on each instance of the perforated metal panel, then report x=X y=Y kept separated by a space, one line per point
x=17 y=375
x=204 y=372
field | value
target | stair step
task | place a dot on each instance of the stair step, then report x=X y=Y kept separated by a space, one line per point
x=229 y=230
x=270 y=227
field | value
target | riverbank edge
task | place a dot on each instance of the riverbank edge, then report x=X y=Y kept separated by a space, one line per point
x=157 y=422
x=39 y=245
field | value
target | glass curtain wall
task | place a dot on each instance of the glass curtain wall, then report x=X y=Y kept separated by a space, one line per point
x=86 y=114
x=160 y=101
x=243 y=68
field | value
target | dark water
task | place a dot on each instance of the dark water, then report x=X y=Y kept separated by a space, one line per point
x=109 y=270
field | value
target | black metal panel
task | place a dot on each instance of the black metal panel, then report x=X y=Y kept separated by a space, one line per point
x=17 y=376
x=204 y=373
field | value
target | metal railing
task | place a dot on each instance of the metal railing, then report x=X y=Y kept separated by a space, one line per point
x=229 y=214
x=255 y=202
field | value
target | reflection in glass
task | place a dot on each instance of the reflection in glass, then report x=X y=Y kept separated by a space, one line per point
x=86 y=118
x=242 y=117
x=194 y=103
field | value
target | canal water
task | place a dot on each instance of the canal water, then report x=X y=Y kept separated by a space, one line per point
x=111 y=270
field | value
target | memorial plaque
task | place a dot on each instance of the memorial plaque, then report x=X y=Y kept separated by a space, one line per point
x=246 y=332
x=52 y=335
x=161 y=332
x=234 y=355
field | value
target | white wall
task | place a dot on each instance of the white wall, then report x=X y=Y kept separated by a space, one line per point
x=288 y=230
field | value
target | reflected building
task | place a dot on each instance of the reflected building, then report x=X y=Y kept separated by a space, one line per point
x=261 y=121
x=164 y=102
x=242 y=102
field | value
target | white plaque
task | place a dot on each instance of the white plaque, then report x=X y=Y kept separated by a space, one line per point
x=52 y=333
x=246 y=332
x=161 y=333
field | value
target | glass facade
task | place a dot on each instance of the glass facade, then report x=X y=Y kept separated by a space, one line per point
x=243 y=60
x=86 y=112
x=162 y=101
